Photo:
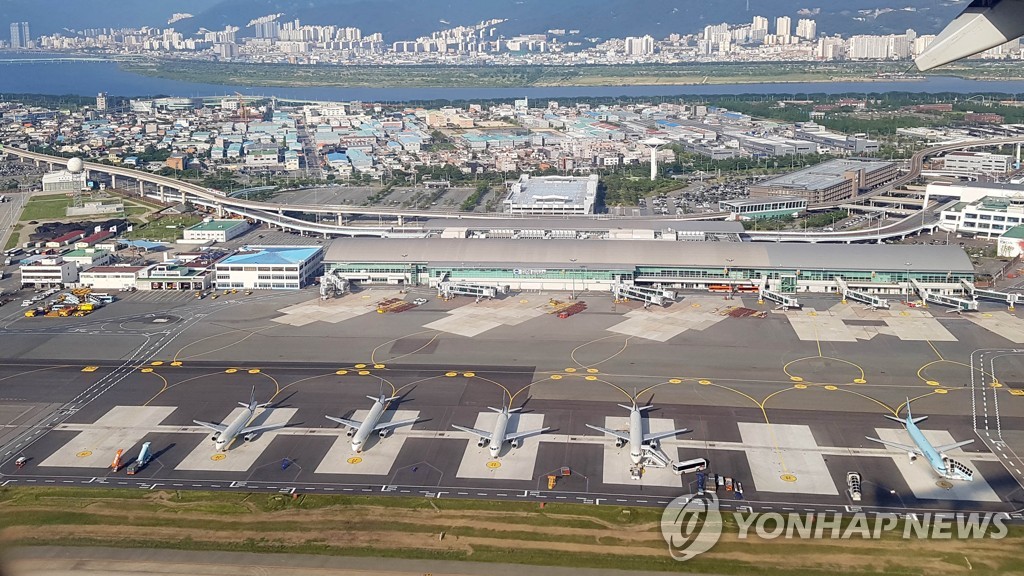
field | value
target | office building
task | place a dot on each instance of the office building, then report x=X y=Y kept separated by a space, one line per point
x=270 y=268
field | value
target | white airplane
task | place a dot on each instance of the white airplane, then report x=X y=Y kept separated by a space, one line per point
x=639 y=442
x=984 y=24
x=360 y=431
x=497 y=438
x=226 y=434
x=943 y=465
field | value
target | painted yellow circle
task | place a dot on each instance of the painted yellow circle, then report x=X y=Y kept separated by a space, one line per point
x=176 y=363
x=378 y=365
x=941 y=391
x=341 y=372
x=231 y=370
x=354 y=460
x=796 y=379
x=800 y=386
x=147 y=370
x=84 y=454
x=254 y=371
x=364 y=372
x=524 y=301
x=156 y=363
x=904 y=313
x=859 y=381
x=360 y=365
x=675 y=381
x=591 y=378
x=932 y=382
x=556 y=376
x=694 y=305
x=366 y=297
x=788 y=478
x=704 y=382
x=812 y=313
x=831 y=387
x=494 y=464
x=996 y=384
x=218 y=457
x=451 y=374
x=570 y=370
x=986 y=315
x=592 y=370
x=469 y=374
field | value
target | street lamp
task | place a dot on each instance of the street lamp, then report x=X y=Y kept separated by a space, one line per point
x=908 y=283
x=572 y=273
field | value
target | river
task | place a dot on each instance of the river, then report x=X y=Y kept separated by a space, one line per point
x=88 y=78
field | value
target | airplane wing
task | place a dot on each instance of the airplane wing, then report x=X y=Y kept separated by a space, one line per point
x=211 y=425
x=353 y=424
x=660 y=435
x=904 y=447
x=945 y=447
x=616 y=433
x=262 y=428
x=518 y=435
x=479 y=433
x=984 y=24
x=386 y=425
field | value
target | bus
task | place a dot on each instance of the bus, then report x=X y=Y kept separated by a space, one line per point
x=690 y=466
x=719 y=288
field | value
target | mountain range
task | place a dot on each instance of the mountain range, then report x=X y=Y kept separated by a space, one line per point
x=407 y=19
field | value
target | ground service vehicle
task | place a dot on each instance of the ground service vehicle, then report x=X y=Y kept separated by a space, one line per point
x=853 y=485
x=690 y=466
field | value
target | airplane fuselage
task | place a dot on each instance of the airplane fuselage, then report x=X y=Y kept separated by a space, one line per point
x=935 y=460
x=636 y=435
x=498 y=436
x=366 y=428
x=225 y=438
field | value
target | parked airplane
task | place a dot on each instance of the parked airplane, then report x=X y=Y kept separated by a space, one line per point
x=360 y=431
x=984 y=24
x=496 y=439
x=945 y=466
x=226 y=434
x=639 y=442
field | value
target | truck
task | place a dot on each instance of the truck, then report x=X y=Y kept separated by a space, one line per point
x=144 y=456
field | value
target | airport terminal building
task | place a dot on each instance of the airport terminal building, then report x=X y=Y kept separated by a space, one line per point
x=596 y=265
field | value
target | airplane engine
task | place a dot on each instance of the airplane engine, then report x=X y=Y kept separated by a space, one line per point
x=349 y=432
x=515 y=443
x=214 y=437
x=383 y=433
x=653 y=444
x=481 y=443
x=250 y=437
x=913 y=457
x=619 y=442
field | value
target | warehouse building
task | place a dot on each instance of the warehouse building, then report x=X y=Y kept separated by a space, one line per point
x=215 y=230
x=831 y=181
x=589 y=265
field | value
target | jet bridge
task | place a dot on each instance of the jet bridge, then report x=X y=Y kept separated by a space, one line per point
x=977 y=293
x=784 y=301
x=655 y=457
x=658 y=297
x=952 y=301
x=332 y=286
x=479 y=291
x=869 y=299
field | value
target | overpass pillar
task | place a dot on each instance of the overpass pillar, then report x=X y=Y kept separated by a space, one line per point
x=163 y=196
x=113 y=181
x=142 y=188
x=220 y=210
x=182 y=190
x=341 y=219
x=401 y=220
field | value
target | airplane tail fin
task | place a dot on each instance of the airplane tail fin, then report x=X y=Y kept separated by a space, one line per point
x=642 y=408
x=383 y=399
x=511 y=410
x=630 y=408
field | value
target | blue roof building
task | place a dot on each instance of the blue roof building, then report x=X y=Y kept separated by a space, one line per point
x=270 y=268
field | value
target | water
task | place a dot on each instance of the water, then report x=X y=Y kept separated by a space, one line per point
x=88 y=78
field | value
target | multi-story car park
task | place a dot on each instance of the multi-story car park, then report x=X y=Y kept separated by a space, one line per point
x=978 y=162
x=830 y=181
x=595 y=265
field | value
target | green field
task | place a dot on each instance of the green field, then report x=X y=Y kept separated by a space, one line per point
x=48 y=207
x=165 y=229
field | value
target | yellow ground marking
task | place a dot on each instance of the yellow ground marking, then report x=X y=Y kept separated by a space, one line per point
x=831 y=387
x=354 y=460
x=249 y=335
x=796 y=379
x=800 y=386
x=812 y=313
x=934 y=349
x=904 y=313
x=373 y=354
x=1016 y=392
x=859 y=381
x=572 y=355
x=231 y=370
x=90 y=368
x=366 y=297
x=341 y=372
x=360 y=366
x=921 y=371
x=590 y=378
x=84 y=454
x=524 y=301
x=451 y=374
x=997 y=384
x=933 y=383
x=704 y=382
x=364 y=372
x=786 y=367
x=469 y=374
x=494 y=464
x=176 y=363
x=556 y=376
x=694 y=305
x=162 y=389
x=218 y=457
x=508 y=393
x=986 y=315
x=570 y=370
x=378 y=366
x=146 y=370
x=156 y=363
x=788 y=478
x=592 y=370
x=675 y=381
x=254 y=371
x=941 y=391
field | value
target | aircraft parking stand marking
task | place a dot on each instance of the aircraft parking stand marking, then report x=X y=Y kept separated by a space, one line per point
x=922 y=480
x=242 y=455
x=617 y=463
x=122 y=427
x=663 y=324
x=806 y=463
x=475 y=319
x=516 y=463
x=378 y=455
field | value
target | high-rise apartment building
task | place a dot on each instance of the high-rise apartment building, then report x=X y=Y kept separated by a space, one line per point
x=101 y=101
x=783 y=26
x=807 y=29
x=642 y=46
x=15 y=35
